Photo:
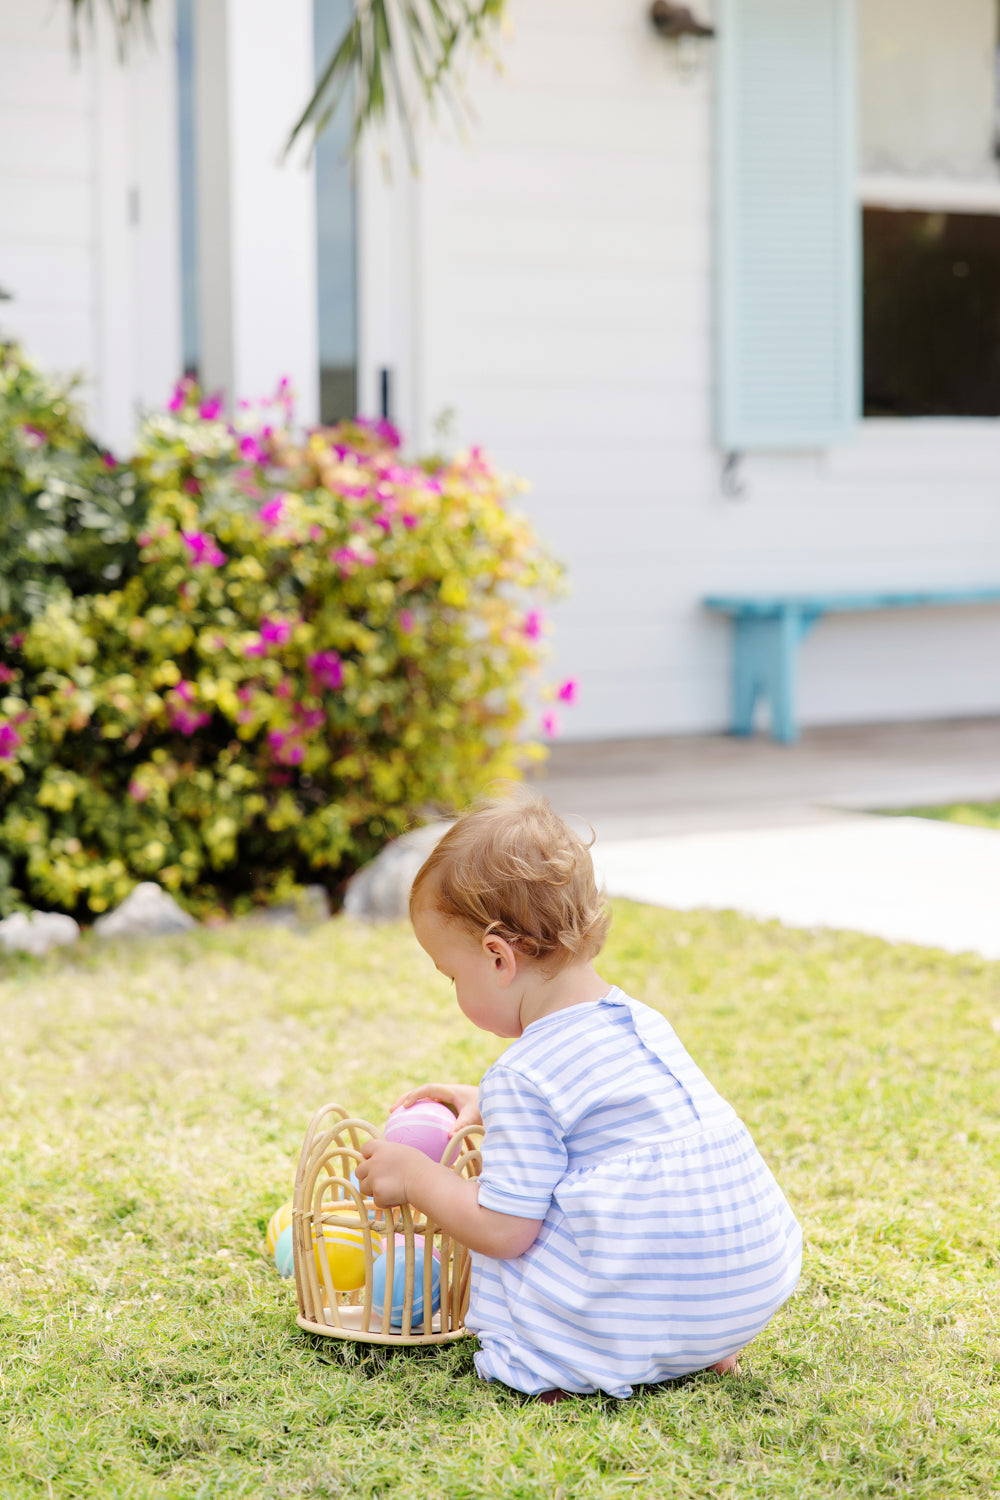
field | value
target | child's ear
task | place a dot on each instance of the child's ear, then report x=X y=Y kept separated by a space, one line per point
x=501 y=955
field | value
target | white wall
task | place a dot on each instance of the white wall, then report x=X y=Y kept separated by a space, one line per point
x=88 y=208
x=563 y=261
x=47 y=208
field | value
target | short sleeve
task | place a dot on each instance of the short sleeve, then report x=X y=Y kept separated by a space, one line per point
x=524 y=1154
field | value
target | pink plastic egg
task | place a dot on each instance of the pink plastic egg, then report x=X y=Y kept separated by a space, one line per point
x=426 y=1125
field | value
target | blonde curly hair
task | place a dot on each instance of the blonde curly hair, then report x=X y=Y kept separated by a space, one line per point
x=511 y=866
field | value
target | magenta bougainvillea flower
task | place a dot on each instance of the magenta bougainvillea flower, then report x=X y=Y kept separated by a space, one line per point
x=287 y=750
x=406 y=621
x=6 y=673
x=10 y=741
x=181 y=394
x=284 y=395
x=550 y=724
x=270 y=514
x=210 y=409
x=327 y=670
x=533 y=624
x=137 y=791
x=251 y=450
x=272 y=633
x=382 y=429
x=187 y=722
x=185 y=690
x=204 y=549
x=345 y=558
x=569 y=690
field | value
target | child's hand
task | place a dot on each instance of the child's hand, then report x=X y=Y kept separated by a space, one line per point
x=382 y=1172
x=462 y=1097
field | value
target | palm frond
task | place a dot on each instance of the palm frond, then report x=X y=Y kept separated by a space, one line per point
x=398 y=55
x=128 y=17
x=395 y=55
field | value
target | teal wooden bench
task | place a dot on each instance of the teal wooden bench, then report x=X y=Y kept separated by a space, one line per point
x=767 y=629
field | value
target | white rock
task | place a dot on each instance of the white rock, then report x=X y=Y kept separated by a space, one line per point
x=311 y=905
x=147 y=911
x=380 y=892
x=38 y=932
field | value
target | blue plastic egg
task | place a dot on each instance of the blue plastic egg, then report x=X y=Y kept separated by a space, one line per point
x=380 y=1272
x=283 y=1254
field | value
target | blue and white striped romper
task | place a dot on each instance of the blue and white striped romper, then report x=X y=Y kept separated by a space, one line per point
x=666 y=1243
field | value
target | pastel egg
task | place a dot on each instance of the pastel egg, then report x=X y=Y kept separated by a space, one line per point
x=426 y=1125
x=380 y=1278
x=279 y=1220
x=341 y=1247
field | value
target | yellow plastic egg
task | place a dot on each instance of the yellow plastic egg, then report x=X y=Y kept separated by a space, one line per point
x=344 y=1251
x=280 y=1219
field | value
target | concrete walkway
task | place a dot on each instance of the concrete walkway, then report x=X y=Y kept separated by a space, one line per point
x=790 y=832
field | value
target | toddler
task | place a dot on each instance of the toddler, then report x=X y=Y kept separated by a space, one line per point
x=625 y=1228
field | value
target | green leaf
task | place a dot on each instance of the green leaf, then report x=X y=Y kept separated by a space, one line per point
x=396 y=54
x=128 y=16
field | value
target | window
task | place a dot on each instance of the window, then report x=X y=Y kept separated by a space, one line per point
x=931 y=220
x=931 y=314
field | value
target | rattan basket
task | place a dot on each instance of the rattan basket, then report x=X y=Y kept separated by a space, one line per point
x=324 y=1195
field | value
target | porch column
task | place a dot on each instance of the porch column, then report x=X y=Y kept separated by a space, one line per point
x=134 y=196
x=256 y=212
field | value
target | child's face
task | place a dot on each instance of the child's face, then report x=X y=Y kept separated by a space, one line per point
x=474 y=970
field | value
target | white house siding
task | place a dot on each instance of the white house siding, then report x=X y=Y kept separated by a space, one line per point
x=88 y=207
x=562 y=262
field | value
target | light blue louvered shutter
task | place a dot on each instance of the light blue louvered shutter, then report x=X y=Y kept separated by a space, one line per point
x=788 y=224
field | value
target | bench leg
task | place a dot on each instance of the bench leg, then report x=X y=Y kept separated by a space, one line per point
x=784 y=682
x=746 y=676
x=764 y=651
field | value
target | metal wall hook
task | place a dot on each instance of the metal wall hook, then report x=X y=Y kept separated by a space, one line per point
x=732 y=479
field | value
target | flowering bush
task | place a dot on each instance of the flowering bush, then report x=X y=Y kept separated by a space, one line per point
x=69 y=511
x=320 y=642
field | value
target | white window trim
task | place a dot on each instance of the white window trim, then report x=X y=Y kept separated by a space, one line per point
x=972 y=195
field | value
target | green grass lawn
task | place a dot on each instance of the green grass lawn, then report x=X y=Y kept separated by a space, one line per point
x=978 y=814
x=154 y=1099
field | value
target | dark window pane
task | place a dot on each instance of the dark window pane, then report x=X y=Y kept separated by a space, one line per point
x=931 y=314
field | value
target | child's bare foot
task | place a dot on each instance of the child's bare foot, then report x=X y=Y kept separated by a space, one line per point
x=726 y=1365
